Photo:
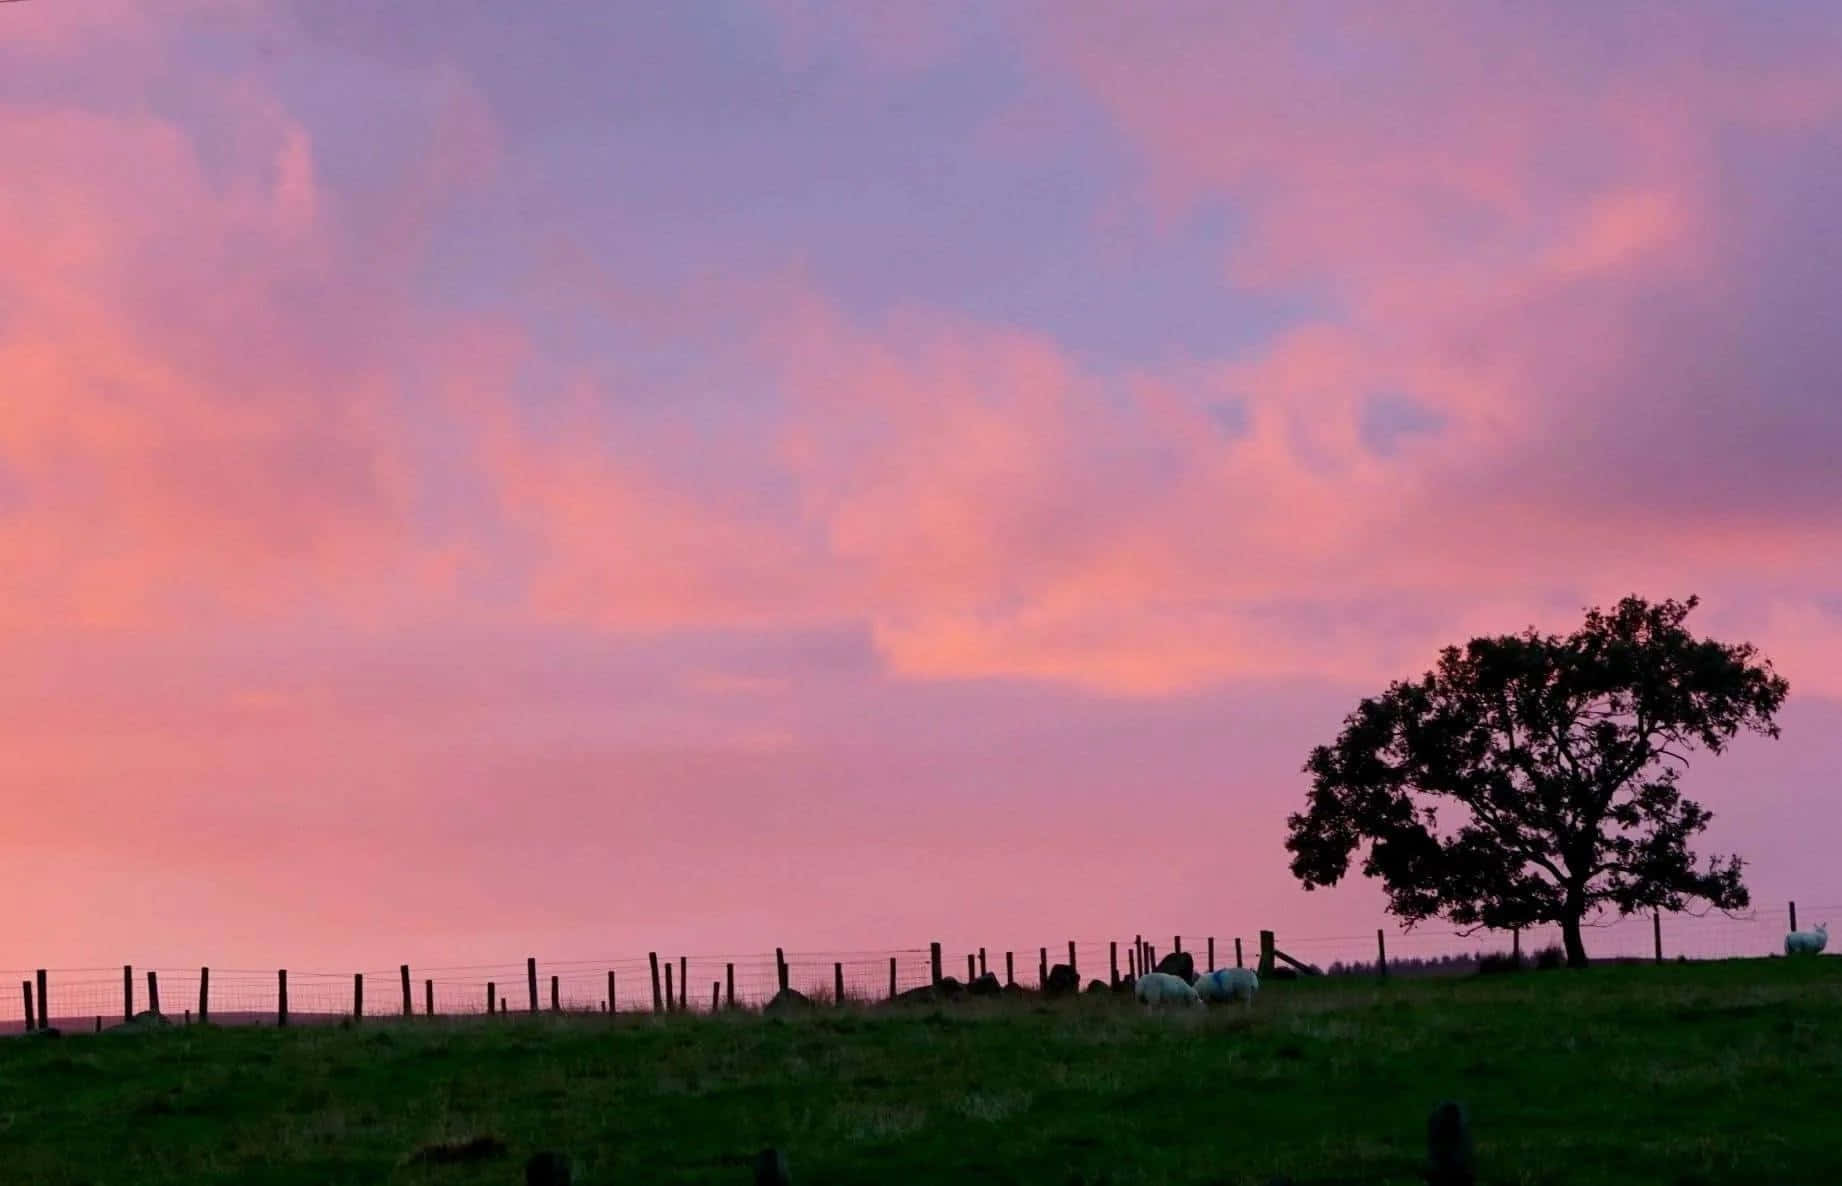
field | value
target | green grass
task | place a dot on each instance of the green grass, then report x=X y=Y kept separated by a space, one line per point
x=1688 y=1075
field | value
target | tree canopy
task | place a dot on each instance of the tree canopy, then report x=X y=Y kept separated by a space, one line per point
x=1532 y=778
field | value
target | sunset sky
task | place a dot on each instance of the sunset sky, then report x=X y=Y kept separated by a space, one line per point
x=480 y=478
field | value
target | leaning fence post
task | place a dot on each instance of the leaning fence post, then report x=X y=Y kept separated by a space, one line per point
x=1237 y=952
x=933 y=957
x=204 y=995
x=684 y=985
x=44 y=1002
x=657 y=1003
x=25 y=988
x=127 y=992
x=670 y=1000
x=781 y=973
x=358 y=996
x=153 y=992
x=281 y=997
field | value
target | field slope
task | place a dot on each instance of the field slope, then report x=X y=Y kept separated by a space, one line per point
x=1686 y=1075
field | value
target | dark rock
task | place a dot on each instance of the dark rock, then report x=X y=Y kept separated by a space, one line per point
x=548 y=1169
x=1062 y=980
x=1180 y=964
x=788 y=1000
x=1450 y=1160
x=1097 y=986
x=771 y=1169
x=985 y=986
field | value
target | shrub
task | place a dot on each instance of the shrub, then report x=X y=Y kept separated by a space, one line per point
x=1499 y=961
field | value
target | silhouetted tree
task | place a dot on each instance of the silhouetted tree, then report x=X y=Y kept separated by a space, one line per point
x=1531 y=778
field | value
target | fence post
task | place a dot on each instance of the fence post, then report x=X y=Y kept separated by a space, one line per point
x=1515 y=944
x=25 y=988
x=982 y=961
x=1656 y=930
x=204 y=995
x=358 y=996
x=428 y=998
x=933 y=957
x=1381 y=952
x=1112 y=963
x=837 y=984
x=613 y=1007
x=972 y=967
x=1042 y=967
x=530 y=978
x=780 y=968
x=281 y=997
x=671 y=1000
x=153 y=992
x=127 y=992
x=492 y=1003
x=409 y=1001
x=1138 y=945
x=44 y=1002
x=556 y=1000
x=1266 y=955
x=657 y=1006
x=1010 y=969
x=1132 y=963
x=729 y=984
x=1176 y=944
x=892 y=978
x=1237 y=951
x=716 y=996
x=1794 y=916
x=684 y=984
x=1072 y=966
x=1211 y=966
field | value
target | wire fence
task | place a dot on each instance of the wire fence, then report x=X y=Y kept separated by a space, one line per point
x=84 y=997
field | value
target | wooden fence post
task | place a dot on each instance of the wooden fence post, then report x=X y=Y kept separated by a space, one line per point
x=892 y=978
x=1515 y=944
x=409 y=1001
x=281 y=997
x=837 y=984
x=933 y=956
x=1042 y=967
x=657 y=1005
x=44 y=1002
x=1794 y=916
x=1656 y=930
x=613 y=1006
x=1211 y=966
x=1072 y=966
x=204 y=995
x=428 y=998
x=781 y=973
x=1381 y=952
x=530 y=978
x=972 y=967
x=1112 y=963
x=729 y=984
x=127 y=992
x=716 y=996
x=1176 y=944
x=671 y=1001
x=684 y=984
x=982 y=961
x=358 y=996
x=1132 y=963
x=1265 y=970
x=153 y=992
x=1237 y=952
x=492 y=1003
x=1010 y=969
x=556 y=1000
x=25 y=988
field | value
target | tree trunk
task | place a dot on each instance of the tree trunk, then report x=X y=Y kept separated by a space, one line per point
x=1570 y=936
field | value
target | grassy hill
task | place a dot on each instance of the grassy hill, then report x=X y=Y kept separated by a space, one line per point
x=1680 y=1074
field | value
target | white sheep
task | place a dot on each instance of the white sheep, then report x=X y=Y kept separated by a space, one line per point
x=1161 y=988
x=1228 y=984
x=1807 y=942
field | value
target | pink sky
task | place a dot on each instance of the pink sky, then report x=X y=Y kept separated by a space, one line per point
x=479 y=480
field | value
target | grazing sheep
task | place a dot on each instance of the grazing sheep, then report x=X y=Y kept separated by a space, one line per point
x=1807 y=942
x=1228 y=984
x=1161 y=988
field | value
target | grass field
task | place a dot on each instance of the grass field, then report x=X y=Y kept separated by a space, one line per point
x=1680 y=1074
